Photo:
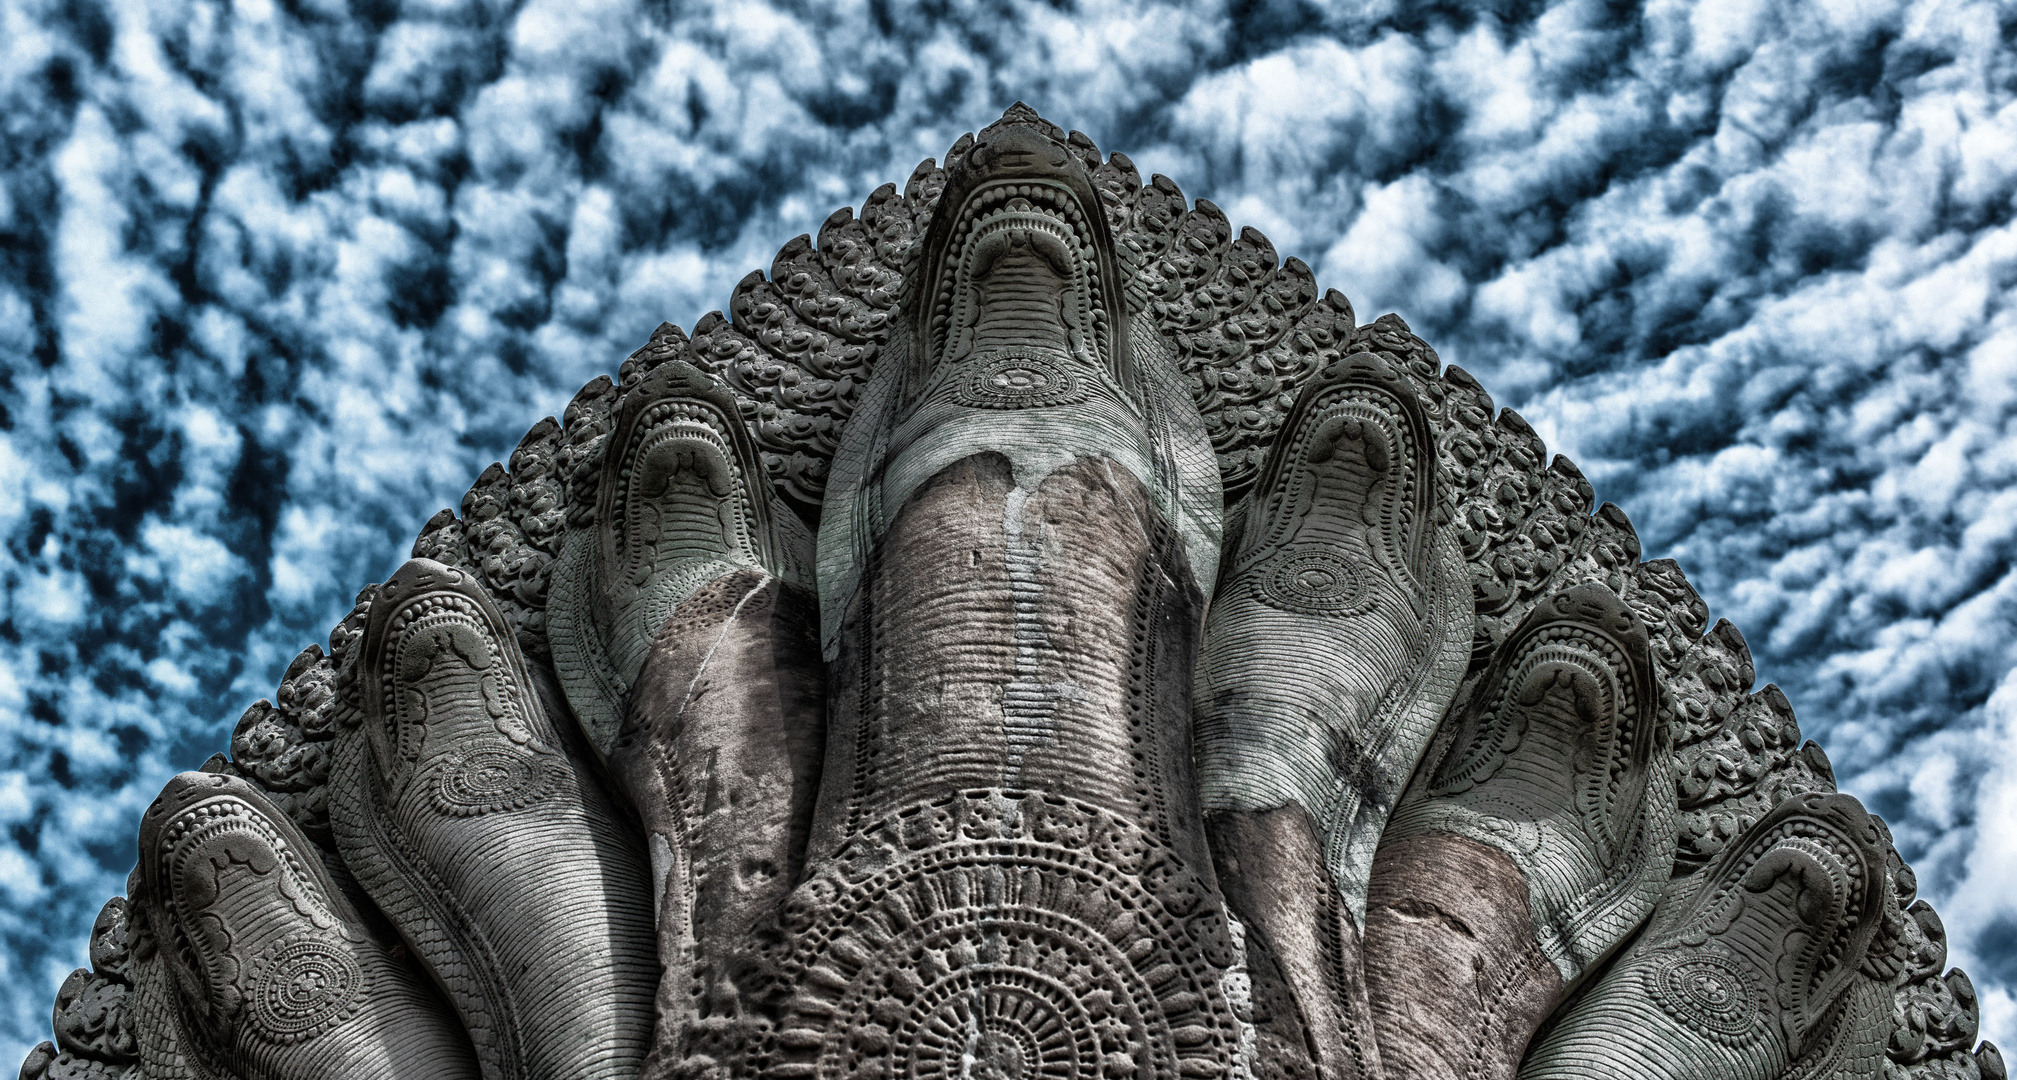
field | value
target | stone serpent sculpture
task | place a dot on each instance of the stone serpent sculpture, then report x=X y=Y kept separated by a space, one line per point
x=834 y=693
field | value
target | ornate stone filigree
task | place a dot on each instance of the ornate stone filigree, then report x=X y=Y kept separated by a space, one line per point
x=302 y=986
x=528 y=904
x=1007 y=864
x=1010 y=928
x=1708 y=991
x=252 y=961
x=1014 y=919
x=1754 y=968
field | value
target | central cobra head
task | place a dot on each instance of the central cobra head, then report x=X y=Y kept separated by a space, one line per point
x=1020 y=301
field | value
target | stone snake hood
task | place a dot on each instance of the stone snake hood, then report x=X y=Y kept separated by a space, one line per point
x=1018 y=287
x=1035 y=634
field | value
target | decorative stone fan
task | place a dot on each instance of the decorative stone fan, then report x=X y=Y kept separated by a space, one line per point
x=631 y=773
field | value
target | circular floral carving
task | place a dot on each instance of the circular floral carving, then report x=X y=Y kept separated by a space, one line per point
x=488 y=780
x=1708 y=990
x=1513 y=824
x=962 y=939
x=302 y=986
x=1014 y=992
x=991 y=1028
x=1020 y=379
x=1312 y=583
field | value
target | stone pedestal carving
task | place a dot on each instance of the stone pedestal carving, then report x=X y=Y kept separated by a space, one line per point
x=1034 y=635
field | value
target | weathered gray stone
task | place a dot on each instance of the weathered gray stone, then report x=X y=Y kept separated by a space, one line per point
x=1007 y=862
x=685 y=636
x=1343 y=624
x=646 y=780
x=1755 y=967
x=1311 y=1014
x=720 y=756
x=488 y=842
x=1534 y=843
x=682 y=500
x=258 y=966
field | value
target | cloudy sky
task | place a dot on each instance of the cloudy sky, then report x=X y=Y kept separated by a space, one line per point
x=278 y=279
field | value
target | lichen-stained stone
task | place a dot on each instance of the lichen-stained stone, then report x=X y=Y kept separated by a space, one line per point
x=1008 y=874
x=1310 y=1013
x=257 y=966
x=682 y=500
x=1753 y=968
x=687 y=639
x=485 y=839
x=1339 y=634
x=1538 y=837
x=721 y=754
x=1018 y=343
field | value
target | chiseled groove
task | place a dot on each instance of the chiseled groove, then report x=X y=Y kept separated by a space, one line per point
x=156 y=1006
x=1416 y=703
x=561 y=938
x=1022 y=306
x=693 y=519
x=1767 y=1029
x=990 y=706
x=1401 y=507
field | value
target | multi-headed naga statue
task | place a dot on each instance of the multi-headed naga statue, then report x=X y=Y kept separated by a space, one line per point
x=1036 y=638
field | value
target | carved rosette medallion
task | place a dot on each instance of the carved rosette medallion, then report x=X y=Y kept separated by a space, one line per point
x=1002 y=934
x=1510 y=822
x=490 y=780
x=1709 y=990
x=1311 y=581
x=1015 y=378
x=304 y=985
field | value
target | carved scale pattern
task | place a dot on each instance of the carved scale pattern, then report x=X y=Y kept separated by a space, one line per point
x=796 y=348
x=95 y=1032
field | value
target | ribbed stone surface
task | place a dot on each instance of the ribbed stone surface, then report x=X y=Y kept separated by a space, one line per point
x=638 y=779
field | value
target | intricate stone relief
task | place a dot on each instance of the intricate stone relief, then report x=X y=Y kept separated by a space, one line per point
x=1755 y=967
x=1017 y=419
x=682 y=503
x=487 y=843
x=685 y=637
x=1538 y=837
x=1007 y=863
x=1342 y=574
x=1037 y=936
x=259 y=967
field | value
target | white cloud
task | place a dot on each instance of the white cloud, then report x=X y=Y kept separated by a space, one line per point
x=196 y=565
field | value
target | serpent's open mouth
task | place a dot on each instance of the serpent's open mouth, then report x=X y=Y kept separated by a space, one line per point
x=684 y=479
x=1022 y=300
x=680 y=462
x=1022 y=274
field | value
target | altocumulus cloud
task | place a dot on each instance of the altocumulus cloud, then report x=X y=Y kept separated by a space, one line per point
x=278 y=280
